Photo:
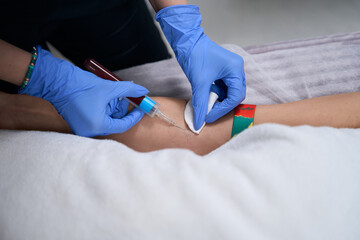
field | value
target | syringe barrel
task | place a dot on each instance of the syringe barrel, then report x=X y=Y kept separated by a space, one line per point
x=145 y=103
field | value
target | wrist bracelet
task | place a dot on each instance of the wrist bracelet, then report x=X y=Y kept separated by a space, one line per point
x=243 y=118
x=30 y=69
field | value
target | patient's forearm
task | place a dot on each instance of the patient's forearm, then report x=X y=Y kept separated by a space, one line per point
x=154 y=133
x=29 y=113
x=340 y=111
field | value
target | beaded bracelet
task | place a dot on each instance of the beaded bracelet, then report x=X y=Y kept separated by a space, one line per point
x=30 y=69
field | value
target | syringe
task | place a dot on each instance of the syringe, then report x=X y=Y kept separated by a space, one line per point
x=145 y=103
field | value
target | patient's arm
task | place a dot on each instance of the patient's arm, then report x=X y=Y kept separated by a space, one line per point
x=30 y=113
x=150 y=134
x=339 y=111
x=155 y=133
x=25 y=112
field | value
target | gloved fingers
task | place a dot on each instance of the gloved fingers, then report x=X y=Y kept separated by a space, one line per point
x=120 y=109
x=235 y=95
x=219 y=109
x=200 y=105
x=125 y=123
x=125 y=89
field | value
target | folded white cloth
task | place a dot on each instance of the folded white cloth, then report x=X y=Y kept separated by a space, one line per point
x=275 y=73
x=270 y=182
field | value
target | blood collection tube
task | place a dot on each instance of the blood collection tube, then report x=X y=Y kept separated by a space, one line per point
x=145 y=103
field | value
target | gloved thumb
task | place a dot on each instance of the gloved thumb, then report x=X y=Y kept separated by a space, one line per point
x=119 y=109
x=200 y=105
x=219 y=109
x=123 y=124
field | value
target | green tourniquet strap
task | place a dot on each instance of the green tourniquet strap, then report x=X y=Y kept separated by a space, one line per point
x=240 y=123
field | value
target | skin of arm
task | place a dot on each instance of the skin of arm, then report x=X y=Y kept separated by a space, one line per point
x=160 y=4
x=14 y=63
x=155 y=133
x=340 y=111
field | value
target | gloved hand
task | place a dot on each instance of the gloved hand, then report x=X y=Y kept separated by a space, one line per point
x=203 y=61
x=89 y=104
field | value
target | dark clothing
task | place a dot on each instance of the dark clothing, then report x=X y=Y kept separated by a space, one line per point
x=117 y=33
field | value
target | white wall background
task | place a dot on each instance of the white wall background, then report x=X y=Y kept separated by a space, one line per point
x=252 y=22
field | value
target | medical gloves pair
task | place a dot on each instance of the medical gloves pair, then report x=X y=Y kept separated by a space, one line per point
x=89 y=104
x=203 y=62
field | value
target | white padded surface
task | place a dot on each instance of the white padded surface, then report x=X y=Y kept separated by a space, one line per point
x=270 y=182
x=273 y=182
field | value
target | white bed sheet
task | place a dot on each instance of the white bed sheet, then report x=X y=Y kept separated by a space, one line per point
x=273 y=182
x=270 y=182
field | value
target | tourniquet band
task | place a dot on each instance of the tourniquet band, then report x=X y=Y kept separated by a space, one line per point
x=243 y=118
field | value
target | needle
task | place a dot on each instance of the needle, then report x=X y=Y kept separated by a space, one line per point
x=163 y=116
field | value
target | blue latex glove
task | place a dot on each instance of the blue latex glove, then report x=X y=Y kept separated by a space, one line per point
x=89 y=104
x=203 y=62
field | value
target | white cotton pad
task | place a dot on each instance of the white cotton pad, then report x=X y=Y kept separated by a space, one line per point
x=189 y=114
